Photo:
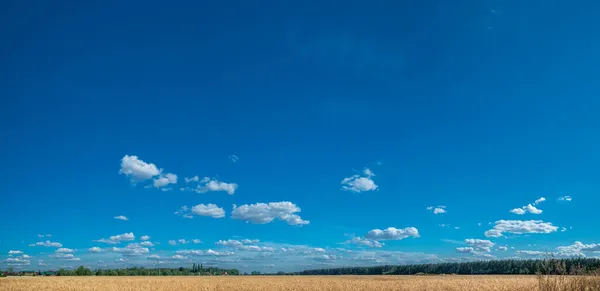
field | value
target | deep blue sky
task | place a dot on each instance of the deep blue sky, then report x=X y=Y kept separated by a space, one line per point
x=479 y=106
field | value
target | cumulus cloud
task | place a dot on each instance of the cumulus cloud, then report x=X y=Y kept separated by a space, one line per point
x=17 y=261
x=465 y=250
x=527 y=208
x=94 y=250
x=392 y=233
x=164 y=180
x=196 y=241
x=357 y=183
x=64 y=250
x=132 y=249
x=138 y=170
x=147 y=244
x=11 y=252
x=121 y=217
x=172 y=242
x=540 y=200
x=178 y=257
x=211 y=210
x=565 y=198
x=230 y=243
x=208 y=252
x=437 y=210
x=144 y=237
x=363 y=241
x=183 y=241
x=577 y=249
x=480 y=245
x=502 y=248
x=115 y=239
x=520 y=227
x=47 y=244
x=207 y=184
x=261 y=213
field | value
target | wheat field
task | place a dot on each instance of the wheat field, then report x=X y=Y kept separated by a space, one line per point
x=263 y=283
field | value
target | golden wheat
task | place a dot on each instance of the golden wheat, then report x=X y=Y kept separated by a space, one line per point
x=259 y=283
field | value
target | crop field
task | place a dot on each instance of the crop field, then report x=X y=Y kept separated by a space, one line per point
x=255 y=283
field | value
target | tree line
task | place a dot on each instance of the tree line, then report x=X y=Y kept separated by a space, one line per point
x=495 y=267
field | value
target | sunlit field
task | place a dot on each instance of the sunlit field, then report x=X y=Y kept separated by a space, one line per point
x=274 y=283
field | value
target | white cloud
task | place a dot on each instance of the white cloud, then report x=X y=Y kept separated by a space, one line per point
x=520 y=227
x=11 y=252
x=147 y=244
x=565 y=198
x=138 y=170
x=437 y=210
x=234 y=158
x=94 y=250
x=183 y=241
x=115 y=239
x=250 y=241
x=196 y=241
x=211 y=210
x=365 y=242
x=480 y=245
x=577 y=249
x=47 y=244
x=538 y=201
x=262 y=213
x=356 y=183
x=132 y=249
x=527 y=208
x=230 y=243
x=392 y=233
x=24 y=256
x=17 y=261
x=44 y=235
x=64 y=250
x=533 y=253
x=465 y=250
x=172 y=242
x=192 y=179
x=153 y=257
x=502 y=248
x=208 y=252
x=179 y=257
x=121 y=217
x=164 y=180
x=144 y=237
x=208 y=184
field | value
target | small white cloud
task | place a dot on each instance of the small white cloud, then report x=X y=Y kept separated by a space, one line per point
x=365 y=242
x=356 y=183
x=208 y=184
x=520 y=227
x=11 y=252
x=527 y=208
x=147 y=244
x=538 y=201
x=183 y=241
x=208 y=252
x=132 y=249
x=392 y=233
x=144 y=237
x=211 y=210
x=230 y=243
x=164 y=180
x=196 y=241
x=115 y=239
x=172 y=242
x=502 y=248
x=153 y=257
x=44 y=235
x=234 y=158
x=64 y=250
x=480 y=245
x=179 y=257
x=565 y=198
x=437 y=210
x=94 y=250
x=261 y=213
x=138 y=170
x=47 y=244
x=192 y=179
x=121 y=217
x=17 y=261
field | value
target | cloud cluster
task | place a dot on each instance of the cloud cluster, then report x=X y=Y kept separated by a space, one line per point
x=132 y=249
x=261 y=213
x=138 y=170
x=211 y=210
x=208 y=252
x=207 y=184
x=47 y=244
x=358 y=183
x=392 y=233
x=115 y=239
x=363 y=241
x=480 y=245
x=520 y=227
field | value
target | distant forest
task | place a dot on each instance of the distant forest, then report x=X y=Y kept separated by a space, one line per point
x=576 y=266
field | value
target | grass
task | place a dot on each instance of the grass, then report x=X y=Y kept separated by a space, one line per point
x=305 y=283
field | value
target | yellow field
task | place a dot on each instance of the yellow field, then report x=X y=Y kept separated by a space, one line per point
x=355 y=283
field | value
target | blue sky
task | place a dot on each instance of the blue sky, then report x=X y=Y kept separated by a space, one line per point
x=321 y=134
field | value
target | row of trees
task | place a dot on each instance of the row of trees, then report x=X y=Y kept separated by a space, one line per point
x=512 y=267
x=196 y=270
